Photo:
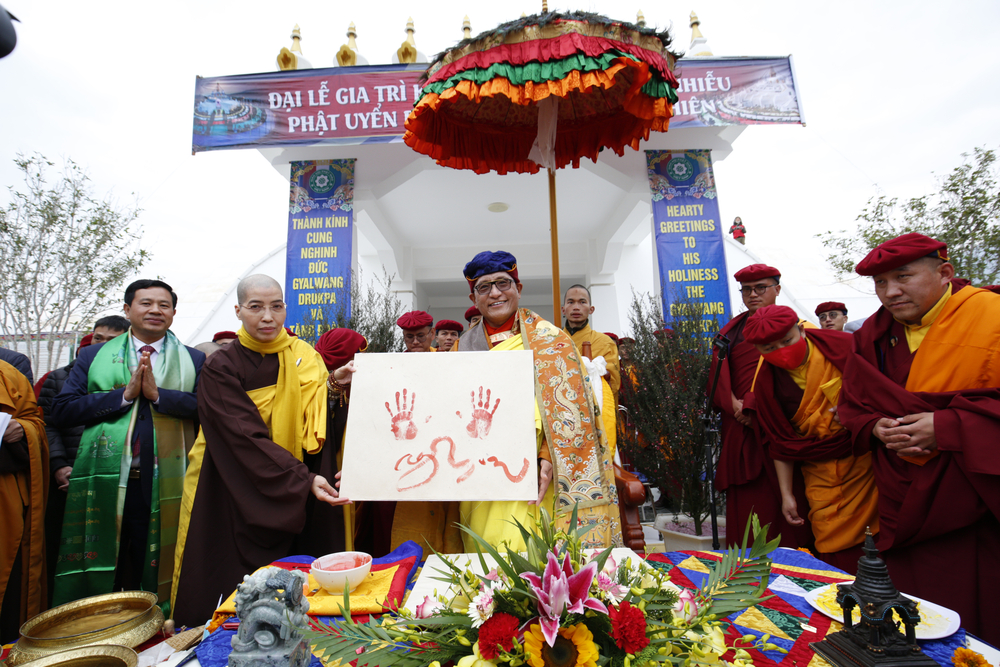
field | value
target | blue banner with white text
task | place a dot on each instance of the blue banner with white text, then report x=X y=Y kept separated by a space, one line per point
x=320 y=240
x=689 y=243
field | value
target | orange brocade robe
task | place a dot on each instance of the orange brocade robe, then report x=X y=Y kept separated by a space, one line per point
x=22 y=496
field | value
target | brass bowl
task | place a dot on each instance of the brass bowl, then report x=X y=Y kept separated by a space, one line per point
x=99 y=655
x=127 y=618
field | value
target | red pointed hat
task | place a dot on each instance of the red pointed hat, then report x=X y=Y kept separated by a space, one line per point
x=749 y=274
x=449 y=325
x=769 y=324
x=415 y=319
x=471 y=313
x=827 y=306
x=901 y=250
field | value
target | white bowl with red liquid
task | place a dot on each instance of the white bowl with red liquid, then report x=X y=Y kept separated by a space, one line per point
x=345 y=569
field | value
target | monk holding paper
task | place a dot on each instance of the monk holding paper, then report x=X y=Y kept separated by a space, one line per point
x=574 y=460
x=262 y=403
x=793 y=400
x=920 y=388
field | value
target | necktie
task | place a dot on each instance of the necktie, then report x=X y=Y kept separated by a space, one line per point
x=136 y=445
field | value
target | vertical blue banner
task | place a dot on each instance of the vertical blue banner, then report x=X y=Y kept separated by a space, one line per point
x=320 y=239
x=689 y=243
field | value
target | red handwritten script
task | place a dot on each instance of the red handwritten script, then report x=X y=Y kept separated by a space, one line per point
x=402 y=422
x=423 y=459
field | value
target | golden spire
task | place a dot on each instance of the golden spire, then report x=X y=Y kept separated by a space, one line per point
x=640 y=19
x=466 y=28
x=695 y=31
x=407 y=52
x=545 y=6
x=699 y=45
x=347 y=56
x=296 y=38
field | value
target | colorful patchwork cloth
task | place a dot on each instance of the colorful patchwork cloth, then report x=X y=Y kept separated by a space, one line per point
x=791 y=621
x=383 y=589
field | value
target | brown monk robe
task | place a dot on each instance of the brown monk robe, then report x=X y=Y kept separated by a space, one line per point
x=792 y=408
x=24 y=475
x=938 y=511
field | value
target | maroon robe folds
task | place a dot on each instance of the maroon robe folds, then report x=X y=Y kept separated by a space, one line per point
x=745 y=471
x=252 y=498
x=776 y=398
x=938 y=522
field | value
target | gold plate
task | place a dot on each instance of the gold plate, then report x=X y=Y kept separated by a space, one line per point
x=126 y=619
x=99 y=655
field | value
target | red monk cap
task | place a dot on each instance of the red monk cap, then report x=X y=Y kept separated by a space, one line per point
x=223 y=335
x=901 y=250
x=84 y=342
x=612 y=336
x=827 y=306
x=338 y=346
x=471 y=313
x=769 y=324
x=415 y=319
x=449 y=325
x=754 y=272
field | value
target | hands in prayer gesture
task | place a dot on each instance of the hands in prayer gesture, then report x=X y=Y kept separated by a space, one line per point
x=143 y=381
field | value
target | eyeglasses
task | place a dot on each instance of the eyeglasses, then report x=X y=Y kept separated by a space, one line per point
x=756 y=289
x=504 y=284
x=829 y=315
x=257 y=308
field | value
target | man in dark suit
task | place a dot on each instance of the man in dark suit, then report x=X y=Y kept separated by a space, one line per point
x=136 y=396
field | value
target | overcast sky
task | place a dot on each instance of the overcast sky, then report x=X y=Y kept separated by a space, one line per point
x=892 y=91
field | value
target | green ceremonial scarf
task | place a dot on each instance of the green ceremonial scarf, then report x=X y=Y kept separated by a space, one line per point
x=88 y=550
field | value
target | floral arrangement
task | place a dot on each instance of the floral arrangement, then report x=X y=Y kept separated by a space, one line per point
x=557 y=605
x=965 y=657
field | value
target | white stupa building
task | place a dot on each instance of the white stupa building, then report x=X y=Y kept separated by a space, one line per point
x=421 y=223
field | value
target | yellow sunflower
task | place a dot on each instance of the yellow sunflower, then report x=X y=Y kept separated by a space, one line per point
x=574 y=647
x=968 y=658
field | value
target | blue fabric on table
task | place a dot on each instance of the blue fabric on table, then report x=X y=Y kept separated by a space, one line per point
x=215 y=649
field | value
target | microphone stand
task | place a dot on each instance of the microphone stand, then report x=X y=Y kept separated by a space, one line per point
x=721 y=346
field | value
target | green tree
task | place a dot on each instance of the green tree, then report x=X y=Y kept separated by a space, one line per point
x=65 y=254
x=963 y=213
x=373 y=314
x=663 y=388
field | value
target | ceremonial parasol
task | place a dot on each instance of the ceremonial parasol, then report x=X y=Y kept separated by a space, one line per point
x=544 y=91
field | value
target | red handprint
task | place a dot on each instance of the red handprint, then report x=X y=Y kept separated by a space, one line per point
x=402 y=422
x=482 y=418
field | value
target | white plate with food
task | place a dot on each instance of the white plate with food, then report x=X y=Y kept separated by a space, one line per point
x=936 y=622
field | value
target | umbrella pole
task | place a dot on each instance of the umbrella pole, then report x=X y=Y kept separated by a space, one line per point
x=554 y=229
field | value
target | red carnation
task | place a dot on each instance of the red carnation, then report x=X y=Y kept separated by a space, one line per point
x=498 y=631
x=628 y=626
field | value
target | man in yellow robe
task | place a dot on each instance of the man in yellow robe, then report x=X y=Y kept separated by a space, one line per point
x=262 y=404
x=577 y=308
x=796 y=387
x=573 y=450
x=24 y=475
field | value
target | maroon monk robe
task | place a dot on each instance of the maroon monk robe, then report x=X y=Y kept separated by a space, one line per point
x=252 y=494
x=744 y=470
x=776 y=399
x=938 y=522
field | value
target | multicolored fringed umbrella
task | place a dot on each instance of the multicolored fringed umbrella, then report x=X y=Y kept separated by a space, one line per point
x=544 y=91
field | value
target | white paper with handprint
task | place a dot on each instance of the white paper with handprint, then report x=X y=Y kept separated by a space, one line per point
x=435 y=426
